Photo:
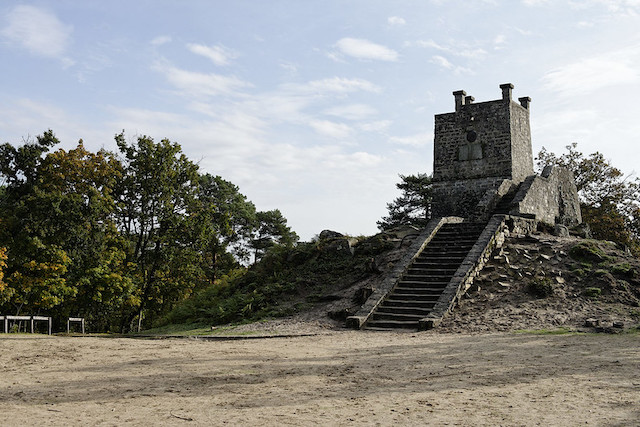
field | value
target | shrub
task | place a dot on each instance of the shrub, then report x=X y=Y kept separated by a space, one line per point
x=588 y=251
x=541 y=288
x=592 y=292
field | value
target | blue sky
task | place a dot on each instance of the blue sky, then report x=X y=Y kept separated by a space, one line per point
x=315 y=107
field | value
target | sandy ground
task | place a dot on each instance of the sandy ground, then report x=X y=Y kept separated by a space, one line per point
x=334 y=378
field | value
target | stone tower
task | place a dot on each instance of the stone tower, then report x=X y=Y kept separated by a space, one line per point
x=477 y=148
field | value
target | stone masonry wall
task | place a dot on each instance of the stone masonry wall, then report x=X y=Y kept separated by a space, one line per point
x=457 y=155
x=521 y=151
x=460 y=198
x=476 y=148
x=552 y=197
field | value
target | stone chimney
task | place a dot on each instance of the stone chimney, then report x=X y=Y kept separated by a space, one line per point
x=524 y=101
x=459 y=96
x=506 y=91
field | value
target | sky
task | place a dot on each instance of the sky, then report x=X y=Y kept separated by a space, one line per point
x=316 y=107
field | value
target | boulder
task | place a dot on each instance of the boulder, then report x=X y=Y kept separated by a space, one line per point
x=329 y=234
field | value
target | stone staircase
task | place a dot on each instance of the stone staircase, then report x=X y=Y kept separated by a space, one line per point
x=504 y=205
x=420 y=287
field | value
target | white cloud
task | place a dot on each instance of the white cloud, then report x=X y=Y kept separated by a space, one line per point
x=219 y=55
x=352 y=111
x=365 y=49
x=499 y=41
x=535 y=2
x=441 y=61
x=625 y=7
x=198 y=84
x=160 y=40
x=331 y=129
x=376 y=126
x=456 y=50
x=38 y=31
x=336 y=85
x=417 y=140
x=589 y=75
x=396 y=20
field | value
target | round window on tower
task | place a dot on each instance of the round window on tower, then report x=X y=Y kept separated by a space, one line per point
x=472 y=136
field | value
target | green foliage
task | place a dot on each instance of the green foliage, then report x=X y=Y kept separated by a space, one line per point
x=413 y=207
x=281 y=283
x=610 y=202
x=592 y=292
x=588 y=251
x=541 y=287
x=120 y=239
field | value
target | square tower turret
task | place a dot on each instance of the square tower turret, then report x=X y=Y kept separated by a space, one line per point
x=477 y=147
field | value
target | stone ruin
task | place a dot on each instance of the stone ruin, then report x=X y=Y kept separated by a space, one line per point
x=484 y=189
x=482 y=155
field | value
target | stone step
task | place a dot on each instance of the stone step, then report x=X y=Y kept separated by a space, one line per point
x=453 y=240
x=392 y=324
x=432 y=265
x=393 y=316
x=416 y=284
x=420 y=288
x=424 y=294
x=417 y=292
x=426 y=278
x=432 y=254
x=421 y=311
x=399 y=302
x=418 y=298
x=431 y=272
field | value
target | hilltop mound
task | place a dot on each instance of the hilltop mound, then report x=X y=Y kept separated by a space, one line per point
x=536 y=282
x=547 y=282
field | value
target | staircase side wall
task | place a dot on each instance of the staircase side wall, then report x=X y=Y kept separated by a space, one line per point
x=358 y=320
x=493 y=236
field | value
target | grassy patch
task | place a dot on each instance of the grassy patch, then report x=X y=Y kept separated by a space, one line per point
x=541 y=287
x=592 y=292
x=588 y=251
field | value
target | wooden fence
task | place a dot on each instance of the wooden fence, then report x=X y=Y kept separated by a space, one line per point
x=31 y=319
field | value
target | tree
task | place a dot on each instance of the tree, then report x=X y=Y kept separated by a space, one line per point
x=609 y=200
x=82 y=185
x=36 y=263
x=3 y=285
x=413 y=205
x=231 y=219
x=154 y=197
x=271 y=230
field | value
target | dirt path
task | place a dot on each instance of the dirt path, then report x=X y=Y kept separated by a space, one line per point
x=340 y=378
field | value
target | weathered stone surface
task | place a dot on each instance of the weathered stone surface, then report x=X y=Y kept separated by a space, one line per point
x=561 y=230
x=329 y=234
x=552 y=197
x=592 y=323
x=482 y=152
x=476 y=148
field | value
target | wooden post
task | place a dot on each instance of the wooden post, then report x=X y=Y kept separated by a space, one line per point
x=75 y=319
x=42 y=319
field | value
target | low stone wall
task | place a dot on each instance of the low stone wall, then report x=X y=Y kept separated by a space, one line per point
x=360 y=318
x=461 y=197
x=552 y=197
